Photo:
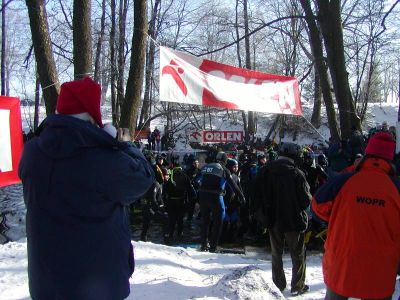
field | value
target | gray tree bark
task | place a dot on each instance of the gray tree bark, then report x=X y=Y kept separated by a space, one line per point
x=113 y=75
x=135 y=79
x=329 y=18
x=251 y=124
x=43 y=52
x=145 y=113
x=81 y=26
x=321 y=69
x=100 y=42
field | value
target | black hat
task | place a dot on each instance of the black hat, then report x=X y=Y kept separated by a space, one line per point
x=221 y=157
x=290 y=150
x=231 y=162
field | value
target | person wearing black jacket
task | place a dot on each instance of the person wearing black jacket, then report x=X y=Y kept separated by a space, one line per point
x=315 y=174
x=232 y=205
x=178 y=190
x=78 y=183
x=212 y=185
x=193 y=172
x=283 y=197
x=153 y=204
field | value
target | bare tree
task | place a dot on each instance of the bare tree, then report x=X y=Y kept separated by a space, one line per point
x=135 y=79
x=123 y=9
x=330 y=21
x=113 y=81
x=81 y=23
x=251 y=115
x=321 y=69
x=145 y=112
x=43 y=52
x=100 y=41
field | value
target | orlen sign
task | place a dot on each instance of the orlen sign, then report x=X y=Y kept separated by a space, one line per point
x=220 y=136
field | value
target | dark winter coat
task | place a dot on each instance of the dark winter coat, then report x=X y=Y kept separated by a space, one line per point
x=178 y=188
x=77 y=183
x=153 y=197
x=231 y=199
x=283 y=196
x=213 y=181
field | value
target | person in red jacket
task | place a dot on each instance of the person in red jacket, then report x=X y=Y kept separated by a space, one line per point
x=362 y=208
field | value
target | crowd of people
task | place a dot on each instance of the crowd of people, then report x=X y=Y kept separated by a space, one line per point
x=80 y=176
x=241 y=195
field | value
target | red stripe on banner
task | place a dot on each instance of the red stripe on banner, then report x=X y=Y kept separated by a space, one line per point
x=13 y=105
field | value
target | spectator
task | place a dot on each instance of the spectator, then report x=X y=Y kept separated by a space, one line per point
x=212 y=185
x=193 y=172
x=232 y=204
x=157 y=139
x=385 y=126
x=284 y=196
x=151 y=141
x=363 y=241
x=178 y=190
x=356 y=142
x=338 y=157
x=78 y=181
x=353 y=166
x=153 y=205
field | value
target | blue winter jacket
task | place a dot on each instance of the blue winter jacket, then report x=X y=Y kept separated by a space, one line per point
x=77 y=183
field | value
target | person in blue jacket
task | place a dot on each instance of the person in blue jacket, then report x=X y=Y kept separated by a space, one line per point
x=212 y=187
x=78 y=181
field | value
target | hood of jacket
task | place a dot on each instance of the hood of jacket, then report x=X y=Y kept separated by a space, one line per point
x=281 y=166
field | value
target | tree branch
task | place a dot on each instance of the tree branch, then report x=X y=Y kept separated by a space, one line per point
x=249 y=34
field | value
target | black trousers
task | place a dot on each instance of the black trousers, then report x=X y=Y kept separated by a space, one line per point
x=176 y=213
x=331 y=295
x=295 y=242
x=148 y=216
x=212 y=208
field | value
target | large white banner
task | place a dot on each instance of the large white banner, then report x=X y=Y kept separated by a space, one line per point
x=188 y=79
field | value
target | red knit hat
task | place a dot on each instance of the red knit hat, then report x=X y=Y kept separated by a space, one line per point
x=381 y=144
x=80 y=96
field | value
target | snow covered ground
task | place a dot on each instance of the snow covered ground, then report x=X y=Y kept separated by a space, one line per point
x=175 y=273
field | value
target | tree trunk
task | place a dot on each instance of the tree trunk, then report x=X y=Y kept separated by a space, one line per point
x=321 y=69
x=43 y=52
x=251 y=125
x=144 y=115
x=3 y=48
x=135 y=80
x=316 y=114
x=37 y=103
x=244 y=117
x=81 y=26
x=100 y=42
x=331 y=26
x=123 y=7
x=114 y=106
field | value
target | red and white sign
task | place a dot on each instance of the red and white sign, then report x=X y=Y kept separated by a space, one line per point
x=11 y=143
x=221 y=136
x=185 y=78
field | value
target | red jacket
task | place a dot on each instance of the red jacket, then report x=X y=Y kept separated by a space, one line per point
x=362 y=250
